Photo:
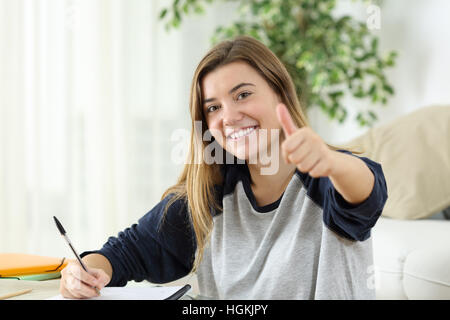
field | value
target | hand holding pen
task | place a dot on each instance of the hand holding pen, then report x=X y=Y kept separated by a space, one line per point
x=79 y=284
x=77 y=281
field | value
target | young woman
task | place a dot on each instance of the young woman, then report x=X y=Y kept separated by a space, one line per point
x=278 y=214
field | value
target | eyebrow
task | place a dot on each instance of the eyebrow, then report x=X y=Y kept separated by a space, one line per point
x=231 y=91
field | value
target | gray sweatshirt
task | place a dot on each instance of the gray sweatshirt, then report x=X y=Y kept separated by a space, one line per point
x=309 y=244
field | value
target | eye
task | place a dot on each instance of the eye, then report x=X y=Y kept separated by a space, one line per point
x=211 y=109
x=243 y=95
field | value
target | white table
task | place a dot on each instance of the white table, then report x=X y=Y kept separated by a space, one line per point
x=42 y=290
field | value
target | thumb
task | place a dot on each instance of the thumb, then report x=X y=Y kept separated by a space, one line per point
x=285 y=120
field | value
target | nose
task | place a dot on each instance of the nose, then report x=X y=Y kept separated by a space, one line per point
x=231 y=115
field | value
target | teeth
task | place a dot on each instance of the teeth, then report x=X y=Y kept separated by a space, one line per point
x=241 y=133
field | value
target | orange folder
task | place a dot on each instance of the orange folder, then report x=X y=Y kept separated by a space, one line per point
x=19 y=264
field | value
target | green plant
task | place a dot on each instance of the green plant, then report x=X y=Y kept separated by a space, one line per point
x=327 y=56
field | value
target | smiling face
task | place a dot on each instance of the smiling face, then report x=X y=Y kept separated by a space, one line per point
x=238 y=106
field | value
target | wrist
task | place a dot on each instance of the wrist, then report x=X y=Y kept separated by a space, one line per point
x=351 y=177
x=98 y=261
x=337 y=164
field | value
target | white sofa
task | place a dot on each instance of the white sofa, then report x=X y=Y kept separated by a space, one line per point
x=411 y=246
x=412 y=259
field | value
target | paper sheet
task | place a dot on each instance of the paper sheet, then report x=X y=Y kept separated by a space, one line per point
x=131 y=293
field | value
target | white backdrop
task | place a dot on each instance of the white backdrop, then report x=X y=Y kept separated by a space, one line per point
x=419 y=31
x=91 y=91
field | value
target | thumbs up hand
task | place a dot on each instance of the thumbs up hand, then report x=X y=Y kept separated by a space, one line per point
x=304 y=148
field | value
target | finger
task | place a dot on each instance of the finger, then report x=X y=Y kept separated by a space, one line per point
x=285 y=120
x=101 y=276
x=79 y=289
x=294 y=141
x=299 y=155
x=69 y=285
x=284 y=155
x=87 y=291
x=78 y=272
x=66 y=294
x=64 y=290
x=72 y=286
x=310 y=161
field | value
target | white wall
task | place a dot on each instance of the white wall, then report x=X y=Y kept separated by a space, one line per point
x=90 y=93
x=419 y=31
x=145 y=76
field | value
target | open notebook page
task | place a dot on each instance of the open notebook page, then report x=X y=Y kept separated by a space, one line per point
x=131 y=293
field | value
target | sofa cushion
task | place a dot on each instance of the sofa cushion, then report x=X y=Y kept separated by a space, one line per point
x=426 y=274
x=414 y=151
x=410 y=267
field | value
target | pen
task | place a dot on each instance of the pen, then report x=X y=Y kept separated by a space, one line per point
x=177 y=295
x=15 y=294
x=64 y=234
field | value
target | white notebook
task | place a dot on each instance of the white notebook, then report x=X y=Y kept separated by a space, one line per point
x=131 y=293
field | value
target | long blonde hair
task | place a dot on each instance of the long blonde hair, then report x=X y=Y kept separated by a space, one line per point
x=196 y=183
